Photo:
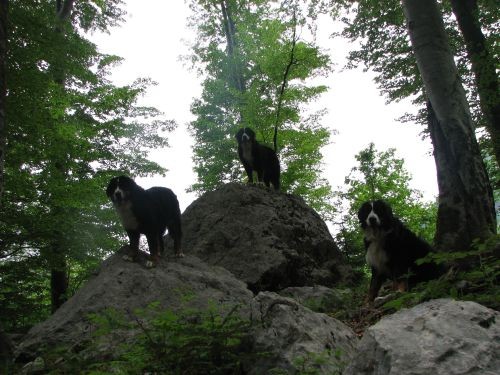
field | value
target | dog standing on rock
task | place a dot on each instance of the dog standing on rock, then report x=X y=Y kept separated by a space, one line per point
x=258 y=158
x=150 y=212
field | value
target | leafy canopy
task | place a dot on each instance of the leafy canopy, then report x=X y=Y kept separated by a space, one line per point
x=244 y=71
x=70 y=129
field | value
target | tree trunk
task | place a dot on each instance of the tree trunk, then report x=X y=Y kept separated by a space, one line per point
x=466 y=209
x=284 y=82
x=237 y=79
x=3 y=89
x=483 y=67
x=59 y=281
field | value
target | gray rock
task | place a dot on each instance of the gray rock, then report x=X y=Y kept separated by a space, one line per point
x=317 y=298
x=34 y=367
x=295 y=338
x=439 y=337
x=125 y=286
x=268 y=239
x=246 y=236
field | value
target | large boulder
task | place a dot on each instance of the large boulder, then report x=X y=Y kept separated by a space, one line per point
x=439 y=337
x=295 y=338
x=125 y=286
x=283 y=335
x=249 y=239
x=268 y=239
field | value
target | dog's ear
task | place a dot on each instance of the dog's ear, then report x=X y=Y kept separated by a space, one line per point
x=111 y=186
x=238 y=135
x=250 y=133
x=387 y=210
x=363 y=212
x=127 y=183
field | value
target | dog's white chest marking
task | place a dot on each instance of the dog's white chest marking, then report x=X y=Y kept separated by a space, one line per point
x=127 y=217
x=246 y=149
x=376 y=256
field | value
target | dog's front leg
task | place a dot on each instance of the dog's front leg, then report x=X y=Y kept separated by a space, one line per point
x=375 y=284
x=249 y=171
x=133 y=251
x=154 y=250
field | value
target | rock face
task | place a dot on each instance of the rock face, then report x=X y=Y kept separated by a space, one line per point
x=249 y=239
x=268 y=239
x=318 y=298
x=295 y=337
x=439 y=337
x=126 y=286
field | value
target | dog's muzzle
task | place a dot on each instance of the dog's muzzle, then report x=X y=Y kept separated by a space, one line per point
x=373 y=220
x=118 y=197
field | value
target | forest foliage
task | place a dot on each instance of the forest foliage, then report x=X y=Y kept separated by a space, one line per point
x=257 y=71
x=71 y=128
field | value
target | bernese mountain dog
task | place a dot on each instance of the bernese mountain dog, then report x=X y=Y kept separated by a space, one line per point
x=149 y=212
x=392 y=249
x=258 y=158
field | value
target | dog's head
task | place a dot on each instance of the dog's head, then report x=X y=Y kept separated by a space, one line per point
x=245 y=135
x=120 y=188
x=375 y=214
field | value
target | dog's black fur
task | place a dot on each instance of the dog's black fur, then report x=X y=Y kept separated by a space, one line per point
x=392 y=249
x=149 y=212
x=258 y=158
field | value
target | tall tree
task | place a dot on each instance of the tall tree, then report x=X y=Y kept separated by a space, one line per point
x=483 y=66
x=3 y=88
x=253 y=41
x=381 y=44
x=67 y=138
x=59 y=273
x=466 y=208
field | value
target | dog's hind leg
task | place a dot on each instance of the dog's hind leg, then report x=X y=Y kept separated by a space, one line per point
x=267 y=179
x=133 y=251
x=161 y=243
x=174 y=230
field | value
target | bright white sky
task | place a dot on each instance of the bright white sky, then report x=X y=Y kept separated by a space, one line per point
x=153 y=38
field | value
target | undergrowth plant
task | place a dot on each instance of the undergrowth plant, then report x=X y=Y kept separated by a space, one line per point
x=474 y=276
x=311 y=364
x=162 y=341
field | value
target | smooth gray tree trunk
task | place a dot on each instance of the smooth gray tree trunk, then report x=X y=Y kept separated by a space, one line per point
x=466 y=207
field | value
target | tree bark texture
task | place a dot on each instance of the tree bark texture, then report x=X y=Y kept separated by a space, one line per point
x=483 y=67
x=466 y=208
x=59 y=280
x=3 y=90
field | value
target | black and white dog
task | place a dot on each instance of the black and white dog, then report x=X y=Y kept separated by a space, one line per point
x=392 y=249
x=258 y=158
x=149 y=212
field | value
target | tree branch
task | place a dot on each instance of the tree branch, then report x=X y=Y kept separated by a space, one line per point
x=285 y=81
x=64 y=9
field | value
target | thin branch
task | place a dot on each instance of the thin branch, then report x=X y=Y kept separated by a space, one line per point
x=64 y=10
x=285 y=81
